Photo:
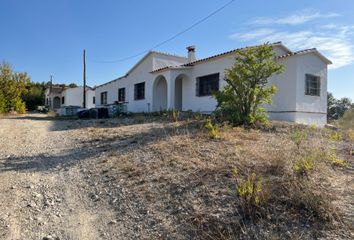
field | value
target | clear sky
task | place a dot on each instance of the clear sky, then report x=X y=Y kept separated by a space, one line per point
x=47 y=37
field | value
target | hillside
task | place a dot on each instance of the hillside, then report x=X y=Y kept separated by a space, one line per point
x=170 y=179
x=149 y=177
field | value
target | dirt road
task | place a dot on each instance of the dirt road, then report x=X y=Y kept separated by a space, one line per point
x=43 y=194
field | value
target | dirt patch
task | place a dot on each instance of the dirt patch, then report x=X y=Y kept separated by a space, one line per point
x=150 y=178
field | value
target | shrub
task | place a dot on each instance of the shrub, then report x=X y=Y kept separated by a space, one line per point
x=350 y=136
x=241 y=101
x=298 y=136
x=12 y=88
x=19 y=106
x=305 y=164
x=250 y=192
x=2 y=104
x=335 y=136
x=347 y=121
x=332 y=158
x=212 y=129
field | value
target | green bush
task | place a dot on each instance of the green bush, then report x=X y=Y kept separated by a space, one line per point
x=2 y=103
x=12 y=89
x=19 y=106
x=241 y=101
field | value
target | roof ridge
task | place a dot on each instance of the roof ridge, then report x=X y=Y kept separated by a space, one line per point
x=216 y=55
x=167 y=54
x=230 y=51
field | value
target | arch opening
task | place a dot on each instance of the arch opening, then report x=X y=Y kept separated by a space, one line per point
x=160 y=94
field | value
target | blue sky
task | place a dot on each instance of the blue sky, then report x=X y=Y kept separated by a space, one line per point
x=47 y=37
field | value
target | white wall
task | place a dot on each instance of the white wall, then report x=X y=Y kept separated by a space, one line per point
x=311 y=64
x=74 y=97
x=140 y=74
x=289 y=103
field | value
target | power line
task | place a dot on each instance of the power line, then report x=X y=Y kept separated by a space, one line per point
x=173 y=37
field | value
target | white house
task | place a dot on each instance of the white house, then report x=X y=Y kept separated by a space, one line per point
x=57 y=97
x=161 y=81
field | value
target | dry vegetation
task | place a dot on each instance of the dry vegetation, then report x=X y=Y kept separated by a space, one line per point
x=175 y=179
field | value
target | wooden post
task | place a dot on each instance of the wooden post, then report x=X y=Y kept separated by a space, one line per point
x=84 y=93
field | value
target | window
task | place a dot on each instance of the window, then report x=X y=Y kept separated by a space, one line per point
x=62 y=100
x=103 y=98
x=206 y=85
x=94 y=100
x=121 y=95
x=312 y=85
x=139 y=91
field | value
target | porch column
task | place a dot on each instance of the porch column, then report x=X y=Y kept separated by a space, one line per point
x=170 y=92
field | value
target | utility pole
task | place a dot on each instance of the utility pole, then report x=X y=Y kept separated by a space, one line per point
x=51 y=84
x=84 y=103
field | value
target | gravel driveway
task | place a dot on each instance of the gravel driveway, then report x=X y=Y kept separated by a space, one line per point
x=43 y=194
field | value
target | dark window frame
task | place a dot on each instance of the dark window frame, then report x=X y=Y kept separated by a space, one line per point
x=312 y=85
x=104 y=97
x=93 y=100
x=63 y=100
x=121 y=95
x=207 y=84
x=139 y=91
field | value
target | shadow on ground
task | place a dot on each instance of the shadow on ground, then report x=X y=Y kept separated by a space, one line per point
x=70 y=123
x=91 y=148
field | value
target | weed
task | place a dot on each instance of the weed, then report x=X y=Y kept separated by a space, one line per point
x=198 y=116
x=304 y=165
x=212 y=129
x=175 y=115
x=140 y=119
x=350 y=138
x=335 y=136
x=332 y=158
x=250 y=192
x=298 y=137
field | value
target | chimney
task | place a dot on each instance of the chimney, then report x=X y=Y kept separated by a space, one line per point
x=191 y=54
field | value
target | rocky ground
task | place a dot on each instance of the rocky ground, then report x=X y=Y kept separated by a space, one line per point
x=44 y=193
x=135 y=178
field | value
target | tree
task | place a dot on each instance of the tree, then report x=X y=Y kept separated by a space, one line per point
x=72 y=85
x=337 y=107
x=241 y=100
x=34 y=95
x=347 y=121
x=12 y=88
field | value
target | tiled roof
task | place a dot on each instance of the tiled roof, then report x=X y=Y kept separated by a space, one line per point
x=168 y=54
x=211 y=57
x=314 y=50
x=225 y=53
x=310 y=50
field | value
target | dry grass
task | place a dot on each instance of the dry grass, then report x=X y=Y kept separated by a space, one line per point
x=179 y=182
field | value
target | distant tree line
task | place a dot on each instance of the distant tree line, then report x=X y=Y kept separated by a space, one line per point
x=18 y=93
x=338 y=107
